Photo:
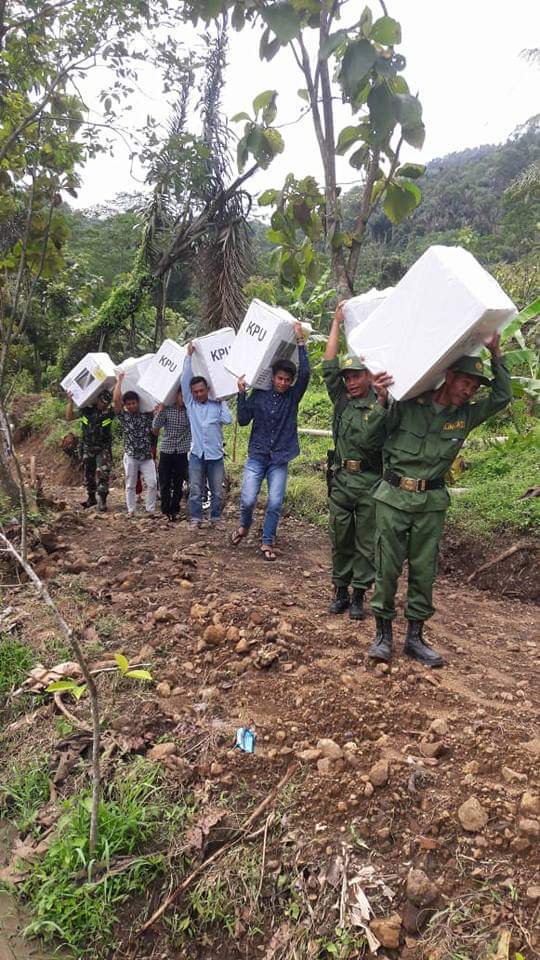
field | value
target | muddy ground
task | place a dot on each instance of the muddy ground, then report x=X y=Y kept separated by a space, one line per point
x=231 y=639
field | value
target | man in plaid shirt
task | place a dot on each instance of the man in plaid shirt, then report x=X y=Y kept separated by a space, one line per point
x=173 y=459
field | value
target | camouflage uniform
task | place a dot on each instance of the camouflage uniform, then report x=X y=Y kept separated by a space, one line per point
x=96 y=449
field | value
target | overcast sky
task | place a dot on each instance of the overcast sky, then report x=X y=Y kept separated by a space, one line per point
x=462 y=58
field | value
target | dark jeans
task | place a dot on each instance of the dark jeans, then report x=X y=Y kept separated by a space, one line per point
x=172 y=472
x=214 y=471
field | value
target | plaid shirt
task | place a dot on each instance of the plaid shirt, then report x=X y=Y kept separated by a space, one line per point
x=176 y=436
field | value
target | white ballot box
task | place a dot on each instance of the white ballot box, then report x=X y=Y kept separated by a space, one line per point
x=208 y=361
x=161 y=378
x=134 y=368
x=94 y=373
x=266 y=334
x=445 y=306
x=358 y=309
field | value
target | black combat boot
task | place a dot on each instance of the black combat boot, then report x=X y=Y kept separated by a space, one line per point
x=89 y=502
x=381 y=648
x=356 y=611
x=341 y=600
x=417 y=648
x=102 y=502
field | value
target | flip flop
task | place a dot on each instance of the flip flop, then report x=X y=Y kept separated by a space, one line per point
x=237 y=537
x=267 y=552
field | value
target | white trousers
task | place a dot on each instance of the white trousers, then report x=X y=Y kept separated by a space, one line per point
x=148 y=473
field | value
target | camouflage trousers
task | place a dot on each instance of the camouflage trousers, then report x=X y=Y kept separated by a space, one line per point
x=97 y=469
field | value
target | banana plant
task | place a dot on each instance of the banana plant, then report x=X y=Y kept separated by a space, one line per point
x=526 y=358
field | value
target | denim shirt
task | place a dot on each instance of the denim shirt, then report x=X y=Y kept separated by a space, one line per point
x=206 y=420
x=274 y=434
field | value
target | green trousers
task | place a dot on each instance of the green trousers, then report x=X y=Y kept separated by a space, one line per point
x=352 y=529
x=407 y=536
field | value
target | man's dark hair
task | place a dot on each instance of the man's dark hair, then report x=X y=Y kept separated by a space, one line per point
x=130 y=395
x=195 y=380
x=285 y=366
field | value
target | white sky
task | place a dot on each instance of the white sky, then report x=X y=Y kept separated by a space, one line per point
x=462 y=59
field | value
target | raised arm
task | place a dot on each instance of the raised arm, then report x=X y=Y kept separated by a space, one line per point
x=117 y=394
x=159 y=419
x=244 y=404
x=500 y=393
x=332 y=344
x=304 y=370
x=187 y=374
x=225 y=415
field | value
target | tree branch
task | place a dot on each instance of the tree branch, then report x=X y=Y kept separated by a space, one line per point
x=72 y=641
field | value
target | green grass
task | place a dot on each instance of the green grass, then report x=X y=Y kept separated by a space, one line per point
x=16 y=659
x=137 y=820
x=26 y=791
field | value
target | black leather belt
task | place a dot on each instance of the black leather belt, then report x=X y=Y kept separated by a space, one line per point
x=412 y=485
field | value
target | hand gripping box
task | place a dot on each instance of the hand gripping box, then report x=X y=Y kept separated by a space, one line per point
x=445 y=306
x=208 y=361
x=266 y=334
x=134 y=368
x=161 y=378
x=358 y=309
x=94 y=373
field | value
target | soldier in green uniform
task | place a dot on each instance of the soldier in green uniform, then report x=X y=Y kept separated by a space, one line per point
x=355 y=469
x=421 y=438
x=96 y=423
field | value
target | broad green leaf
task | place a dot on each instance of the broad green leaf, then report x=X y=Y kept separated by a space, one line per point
x=366 y=22
x=387 y=31
x=358 y=60
x=267 y=47
x=238 y=17
x=58 y=685
x=332 y=42
x=398 y=85
x=240 y=116
x=78 y=691
x=139 y=674
x=380 y=114
x=122 y=661
x=283 y=19
x=400 y=200
x=303 y=93
x=411 y=170
x=268 y=197
x=347 y=137
x=414 y=135
x=263 y=100
x=242 y=153
x=407 y=109
x=520 y=356
x=358 y=159
x=276 y=236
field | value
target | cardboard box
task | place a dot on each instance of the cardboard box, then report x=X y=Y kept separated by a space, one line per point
x=358 y=309
x=445 y=306
x=266 y=334
x=208 y=361
x=134 y=368
x=161 y=378
x=94 y=373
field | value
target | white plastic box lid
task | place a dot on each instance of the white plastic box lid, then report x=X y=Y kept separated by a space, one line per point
x=445 y=306
x=93 y=374
x=134 y=368
x=161 y=378
x=358 y=309
x=266 y=334
x=208 y=361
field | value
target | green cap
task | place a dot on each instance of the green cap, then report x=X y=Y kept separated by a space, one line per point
x=350 y=362
x=474 y=366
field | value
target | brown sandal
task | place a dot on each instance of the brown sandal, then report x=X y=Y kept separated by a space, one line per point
x=237 y=537
x=267 y=552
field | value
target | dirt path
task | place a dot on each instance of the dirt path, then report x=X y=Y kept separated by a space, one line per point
x=276 y=658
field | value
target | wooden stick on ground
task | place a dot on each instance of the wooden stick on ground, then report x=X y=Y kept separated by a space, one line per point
x=219 y=853
x=522 y=545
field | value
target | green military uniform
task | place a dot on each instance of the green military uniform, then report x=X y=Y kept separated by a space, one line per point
x=356 y=469
x=96 y=449
x=420 y=441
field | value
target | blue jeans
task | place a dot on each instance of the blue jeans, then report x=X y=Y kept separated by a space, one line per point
x=214 y=471
x=276 y=478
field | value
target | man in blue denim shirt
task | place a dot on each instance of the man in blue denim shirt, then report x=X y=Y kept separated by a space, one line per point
x=206 y=418
x=273 y=442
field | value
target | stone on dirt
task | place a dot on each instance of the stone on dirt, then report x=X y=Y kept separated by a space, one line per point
x=530 y=828
x=160 y=751
x=472 y=815
x=329 y=748
x=530 y=804
x=439 y=726
x=387 y=930
x=163 y=689
x=214 y=634
x=420 y=889
x=379 y=773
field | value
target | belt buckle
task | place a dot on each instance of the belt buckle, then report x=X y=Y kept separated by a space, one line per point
x=353 y=466
x=408 y=484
